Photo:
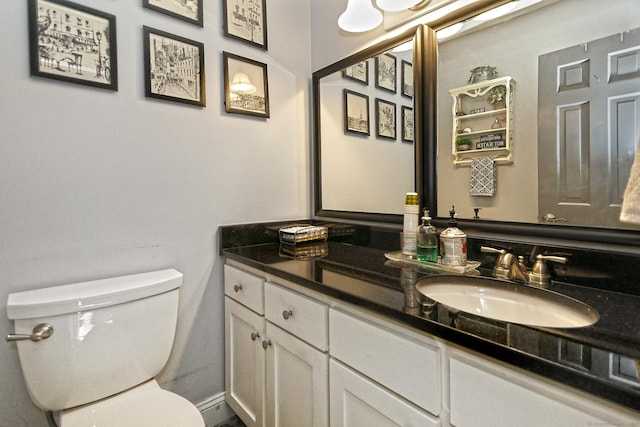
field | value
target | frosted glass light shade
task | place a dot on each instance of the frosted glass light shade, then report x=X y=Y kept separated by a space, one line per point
x=359 y=16
x=242 y=84
x=396 y=5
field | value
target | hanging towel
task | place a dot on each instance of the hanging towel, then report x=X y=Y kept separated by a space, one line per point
x=630 y=211
x=483 y=177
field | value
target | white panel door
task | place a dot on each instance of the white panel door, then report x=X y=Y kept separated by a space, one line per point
x=297 y=381
x=357 y=402
x=245 y=363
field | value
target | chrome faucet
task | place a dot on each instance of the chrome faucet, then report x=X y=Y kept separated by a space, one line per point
x=508 y=268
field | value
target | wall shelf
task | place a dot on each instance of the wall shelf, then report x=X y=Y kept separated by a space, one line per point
x=472 y=112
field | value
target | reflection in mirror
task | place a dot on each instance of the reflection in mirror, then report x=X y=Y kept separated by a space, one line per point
x=576 y=67
x=364 y=133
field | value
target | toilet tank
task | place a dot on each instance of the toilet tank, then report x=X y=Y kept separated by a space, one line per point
x=108 y=335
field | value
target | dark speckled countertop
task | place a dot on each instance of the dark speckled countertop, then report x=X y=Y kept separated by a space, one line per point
x=602 y=359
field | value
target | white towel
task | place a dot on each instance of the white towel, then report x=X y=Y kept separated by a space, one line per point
x=483 y=177
x=630 y=211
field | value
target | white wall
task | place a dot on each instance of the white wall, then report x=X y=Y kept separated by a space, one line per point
x=95 y=183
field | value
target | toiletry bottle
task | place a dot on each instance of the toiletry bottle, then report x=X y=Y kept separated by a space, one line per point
x=410 y=227
x=427 y=240
x=453 y=243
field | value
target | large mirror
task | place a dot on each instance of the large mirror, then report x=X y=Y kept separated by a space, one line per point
x=365 y=140
x=515 y=46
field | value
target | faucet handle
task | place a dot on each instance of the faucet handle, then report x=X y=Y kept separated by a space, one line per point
x=539 y=275
x=498 y=269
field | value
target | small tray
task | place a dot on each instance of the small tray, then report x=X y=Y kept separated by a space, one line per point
x=470 y=268
x=302 y=233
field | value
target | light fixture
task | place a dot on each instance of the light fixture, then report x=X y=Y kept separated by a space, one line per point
x=496 y=12
x=449 y=31
x=396 y=5
x=359 y=16
x=241 y=84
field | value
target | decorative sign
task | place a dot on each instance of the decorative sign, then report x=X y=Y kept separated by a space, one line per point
x=477 y=110
x=491 y=140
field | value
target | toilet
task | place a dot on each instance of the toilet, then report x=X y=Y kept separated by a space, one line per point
x=109 y=339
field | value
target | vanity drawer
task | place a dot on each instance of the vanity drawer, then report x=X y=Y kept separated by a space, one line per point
x=245 y=288
x=299 y=315
x=407 y=365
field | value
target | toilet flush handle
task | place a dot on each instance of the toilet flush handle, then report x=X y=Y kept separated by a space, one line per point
x=40 y=332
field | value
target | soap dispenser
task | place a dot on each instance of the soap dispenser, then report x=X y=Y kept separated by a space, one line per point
x=427 y=240
x=453 y=243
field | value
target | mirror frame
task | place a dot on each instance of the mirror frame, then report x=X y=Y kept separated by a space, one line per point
x=425 y=142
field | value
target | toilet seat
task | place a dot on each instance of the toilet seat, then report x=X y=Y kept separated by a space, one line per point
x=143 y=405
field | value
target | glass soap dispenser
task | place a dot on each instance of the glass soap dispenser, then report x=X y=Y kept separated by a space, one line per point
x=427 y=240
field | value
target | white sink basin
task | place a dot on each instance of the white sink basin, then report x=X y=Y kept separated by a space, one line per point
x=506 y=301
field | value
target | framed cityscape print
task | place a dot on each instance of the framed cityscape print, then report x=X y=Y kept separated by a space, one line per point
x=386 y=72
x=189 y=11
x=246 y=20
x=385 y=119
x=246 y=86
x=407 y=78
x=173 y=68
x=358 y=72
x=407 y=124
x=356 y=112
x=73 y=43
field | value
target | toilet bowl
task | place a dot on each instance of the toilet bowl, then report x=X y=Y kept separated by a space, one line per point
x=109 y=340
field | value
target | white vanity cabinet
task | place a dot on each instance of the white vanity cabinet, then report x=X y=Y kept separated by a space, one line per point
x=275 y=353
x=484 y=393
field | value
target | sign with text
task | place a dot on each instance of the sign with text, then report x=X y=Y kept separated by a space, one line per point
x=491 y=140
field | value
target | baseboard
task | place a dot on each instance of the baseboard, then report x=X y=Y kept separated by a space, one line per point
x=215 y=410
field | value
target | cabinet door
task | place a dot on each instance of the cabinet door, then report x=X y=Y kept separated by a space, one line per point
x=356 y=401
x=487 y=394
x=297 y=382
x=245 y=362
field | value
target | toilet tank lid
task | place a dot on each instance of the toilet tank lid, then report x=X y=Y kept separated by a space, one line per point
x=90 y=295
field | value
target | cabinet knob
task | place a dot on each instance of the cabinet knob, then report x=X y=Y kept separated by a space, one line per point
x=266 y=343
x=254 y=336
x=286 y=314
x=237 y=288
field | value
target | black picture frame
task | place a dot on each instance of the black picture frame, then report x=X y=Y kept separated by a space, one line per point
x=246 y=21
x=358 y=72
x=406 y=78
x=171 y=77
x=407 y=124
x=356 y=113
x=246 y=86
x=189 y=11
x=386 y=119
x=386 y=72
x=73 y=43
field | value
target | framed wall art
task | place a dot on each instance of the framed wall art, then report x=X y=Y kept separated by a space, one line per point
x=407 y=78
x=246 y=20
x=358 y=72
x=386 y=72
x=385 y=119
x=246 y=86
x=73 y=43
x=189 y=11
x=356 y=112
x=173 y=67
x=407 y=124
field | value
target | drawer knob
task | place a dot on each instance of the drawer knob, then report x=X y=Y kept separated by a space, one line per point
x=266 y=343
x=254 y=336
x=286 y=314
x=237 y=288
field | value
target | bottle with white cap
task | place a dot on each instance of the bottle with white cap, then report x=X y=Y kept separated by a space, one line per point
x=410 y=226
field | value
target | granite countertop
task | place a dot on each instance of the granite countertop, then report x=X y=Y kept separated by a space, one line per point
x=602 y=359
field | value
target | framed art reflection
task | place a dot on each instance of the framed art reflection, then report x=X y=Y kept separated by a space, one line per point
x=356 y=112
